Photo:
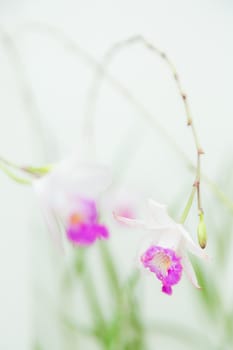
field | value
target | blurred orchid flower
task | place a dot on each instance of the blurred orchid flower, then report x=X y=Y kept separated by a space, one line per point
x=123 y=202
x=164 y=252
x=70 y=197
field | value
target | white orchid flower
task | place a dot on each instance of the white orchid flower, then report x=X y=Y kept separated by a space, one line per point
x=69 y=196
x=165 y=250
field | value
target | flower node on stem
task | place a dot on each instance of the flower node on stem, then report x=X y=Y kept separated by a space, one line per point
x=196 y=184
x=184 y=96
x=189 y=122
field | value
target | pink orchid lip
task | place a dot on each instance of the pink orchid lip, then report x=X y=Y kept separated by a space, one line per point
x=165 y=264
x=83 y=228
x=86 y=234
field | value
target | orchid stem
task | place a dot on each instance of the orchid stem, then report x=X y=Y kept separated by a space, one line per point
x=188 y=206
x=14 y=177
x=29 y=170
x=110 y=269
x=95 y=307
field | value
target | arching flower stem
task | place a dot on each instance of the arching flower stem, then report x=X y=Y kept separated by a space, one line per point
x=111 y=53
x=71 y=46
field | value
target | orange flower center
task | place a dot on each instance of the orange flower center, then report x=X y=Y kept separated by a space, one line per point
x=75 y=218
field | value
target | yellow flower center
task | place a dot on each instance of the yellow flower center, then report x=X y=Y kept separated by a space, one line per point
x=162 y=262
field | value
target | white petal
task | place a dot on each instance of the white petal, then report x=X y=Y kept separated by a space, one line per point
x=130 y=222
x=169 y=238
x=49 y=215
x=158 y=214
x=82 y=178
x=190 y=245
x=166 y=237
x=188 y=269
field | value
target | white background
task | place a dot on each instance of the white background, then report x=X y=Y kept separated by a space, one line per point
x=197 y=35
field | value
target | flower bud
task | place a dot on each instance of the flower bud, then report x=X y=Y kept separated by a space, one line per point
x=38 y=171
x=201 y=232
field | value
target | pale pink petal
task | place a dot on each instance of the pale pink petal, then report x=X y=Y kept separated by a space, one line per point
x=130 y=222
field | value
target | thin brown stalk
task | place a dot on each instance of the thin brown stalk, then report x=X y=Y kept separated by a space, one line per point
x=116 y=48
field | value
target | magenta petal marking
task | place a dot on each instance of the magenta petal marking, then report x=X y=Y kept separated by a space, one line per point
x=83 y=227
x=165 y=264
x=101 y=231
x=86 y=234
x=87 y=208
x=167 y=289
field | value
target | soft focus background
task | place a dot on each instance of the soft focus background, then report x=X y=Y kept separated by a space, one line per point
x=43 y=101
